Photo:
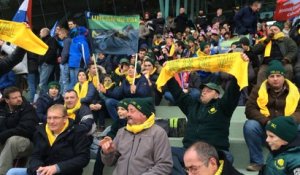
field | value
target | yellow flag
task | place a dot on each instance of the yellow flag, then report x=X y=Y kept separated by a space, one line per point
x=22 y=36
x=231 y=63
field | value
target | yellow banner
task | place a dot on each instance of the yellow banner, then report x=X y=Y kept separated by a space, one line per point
x=231 y=63
x=22 y=36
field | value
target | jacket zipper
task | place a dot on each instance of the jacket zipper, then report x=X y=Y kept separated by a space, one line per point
x=130 y=154
x=137 y=146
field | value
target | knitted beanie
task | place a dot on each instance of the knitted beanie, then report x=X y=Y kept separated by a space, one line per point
x=144 y=105
x=54 y=84
x=283 y=127
x=278 y=24
x=124 y=103
x=275 y=67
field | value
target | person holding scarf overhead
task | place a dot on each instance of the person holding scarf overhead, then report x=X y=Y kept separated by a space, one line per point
x=276 y=47
x=141 y=147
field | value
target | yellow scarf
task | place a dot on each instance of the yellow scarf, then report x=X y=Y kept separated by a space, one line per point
x=290 y=105
x=51 y=136
x=130 y=79
x=117 y=71
x=172 y=50
x=108 y=86
x=83 y=91
x=135 y=129
x=153 y=71
x=220 y=169
x=269 y=45
x=94 y=80
x=71 y=112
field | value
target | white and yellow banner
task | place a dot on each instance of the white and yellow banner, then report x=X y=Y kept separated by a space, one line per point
x=22 y=36
x=231 y=63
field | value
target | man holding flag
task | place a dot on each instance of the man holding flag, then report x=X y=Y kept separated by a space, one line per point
x=208 y=118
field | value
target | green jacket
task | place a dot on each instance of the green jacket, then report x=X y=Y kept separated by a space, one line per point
x=208 y=122
x=285 y=161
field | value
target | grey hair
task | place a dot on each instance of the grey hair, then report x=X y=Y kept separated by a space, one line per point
x=205 y=151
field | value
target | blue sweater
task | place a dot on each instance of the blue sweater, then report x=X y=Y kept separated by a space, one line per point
x=142 y=88
x=79 y=50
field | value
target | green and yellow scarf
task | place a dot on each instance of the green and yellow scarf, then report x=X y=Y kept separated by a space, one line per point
x=290 y=105
x=130 y=79
x=51 y=136
x=83 y=91
x=93 y=79
x=220 y=169
x=135 y=129
x=269 y=45
x=118 y=72
x=71 y=112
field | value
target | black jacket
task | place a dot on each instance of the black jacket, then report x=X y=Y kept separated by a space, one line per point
x=246 y=21
x=32 y=62
x=43 y=103
x=21 y=122
x=228 y=169
x=70 y=151
x=51 y=54
x=181 y=22
x=7 y=63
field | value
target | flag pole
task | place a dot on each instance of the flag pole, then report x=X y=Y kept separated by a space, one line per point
x=135 y=64
x=95 y=64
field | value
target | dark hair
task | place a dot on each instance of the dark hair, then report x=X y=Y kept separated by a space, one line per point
x=82 y=70
x=71 y=90
x=180 y=44
x=104 y=76
x=72 y=20
x=9 y=90
x=254 y=1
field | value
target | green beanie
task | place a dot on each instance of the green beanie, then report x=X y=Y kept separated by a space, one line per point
x=144 y=105
x=283 y=127
x=54 y=84
x=275 y=67
x=278 y=24
x=124 y=103
x=190 y=39
x=151 y=61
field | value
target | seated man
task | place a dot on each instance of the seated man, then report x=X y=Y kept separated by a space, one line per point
x=59 y=147
x=141 y=147
x=284 y=144
x=276 y=47
x=202 y=158
x=80 y=113
x=18 y=120
x=274 y=97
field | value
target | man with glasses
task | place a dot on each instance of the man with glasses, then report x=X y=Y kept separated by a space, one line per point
x=18 y=120
x=276 y=47
x=60 y=147
x=202 y=158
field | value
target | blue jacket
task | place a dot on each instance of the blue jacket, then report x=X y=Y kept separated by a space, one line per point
x=7 y=80
x=246 y=21
x=142 y=88
x=43 y=103
x=79 y=50
x=114 y=92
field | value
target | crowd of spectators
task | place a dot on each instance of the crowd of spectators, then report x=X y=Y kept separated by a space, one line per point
x=91 y=88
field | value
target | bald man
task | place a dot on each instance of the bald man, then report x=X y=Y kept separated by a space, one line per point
x=47 y=61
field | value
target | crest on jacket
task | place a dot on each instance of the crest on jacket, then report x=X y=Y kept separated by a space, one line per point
x=212 y=110
x=279 y=164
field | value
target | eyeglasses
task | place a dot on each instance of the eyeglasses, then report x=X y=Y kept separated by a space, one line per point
x=54 y=118
x=193 y=169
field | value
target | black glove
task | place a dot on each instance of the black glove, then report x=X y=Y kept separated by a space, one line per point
x=269 y=38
